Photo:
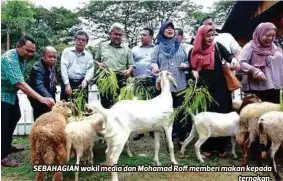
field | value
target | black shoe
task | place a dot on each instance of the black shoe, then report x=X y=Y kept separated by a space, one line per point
x=138 y=137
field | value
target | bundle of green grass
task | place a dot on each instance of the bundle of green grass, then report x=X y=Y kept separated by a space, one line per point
x=196 y=99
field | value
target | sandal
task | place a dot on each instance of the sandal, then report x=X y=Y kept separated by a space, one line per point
x=6 y=162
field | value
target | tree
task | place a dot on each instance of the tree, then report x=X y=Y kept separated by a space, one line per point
x=15 y=15
x=221 y=10
x=134 y=15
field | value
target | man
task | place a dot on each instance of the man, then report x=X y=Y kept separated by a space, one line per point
x=43 y=80
x=226 y=39
x=117 y=56
x=12 y=79
x=76 y=66
x=180 y=37
x=142 y=57
x=186 y=47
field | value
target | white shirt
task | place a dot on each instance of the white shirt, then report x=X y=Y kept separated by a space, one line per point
x=228 y=41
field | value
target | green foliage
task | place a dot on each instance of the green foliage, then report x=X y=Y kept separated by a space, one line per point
x=134 y=15
x=135 y=88
x=54 y=27
x=107 y=83
x=221 y=10
x=196 y=99
x=79 y=100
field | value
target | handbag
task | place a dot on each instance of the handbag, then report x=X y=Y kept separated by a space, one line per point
x=231 y=80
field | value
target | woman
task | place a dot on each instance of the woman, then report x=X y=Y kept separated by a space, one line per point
x=263 y=62
x=169 y=55
x=206 y=64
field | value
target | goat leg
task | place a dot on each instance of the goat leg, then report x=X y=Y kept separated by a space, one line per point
x=157 y=147
x=245 y=150
x=274 y=148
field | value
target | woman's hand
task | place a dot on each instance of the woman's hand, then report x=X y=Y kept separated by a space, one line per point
x=260 y=76
x=183 y=66
x=195 y=74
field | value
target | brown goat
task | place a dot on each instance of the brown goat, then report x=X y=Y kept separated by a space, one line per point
x=48 y=140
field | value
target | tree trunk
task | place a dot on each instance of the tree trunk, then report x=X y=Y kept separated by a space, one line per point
x=8 y=38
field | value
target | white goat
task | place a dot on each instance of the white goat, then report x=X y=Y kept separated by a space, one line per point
x=127 y=116
x=271 y=129
x=80 y=135
x=210 y=124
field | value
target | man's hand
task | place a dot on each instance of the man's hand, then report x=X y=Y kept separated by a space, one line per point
x=126 y=73
x=68 y=90
x=183 y=66
x=260 y=76
x=48 y=101
x=101 y=65
x=84 y=83
x=195 y=74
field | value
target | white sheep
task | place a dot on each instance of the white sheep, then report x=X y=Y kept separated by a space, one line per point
x=127 y=116
x=271 y=129
x=211 y=124
x=80 y=135
x=249 y=117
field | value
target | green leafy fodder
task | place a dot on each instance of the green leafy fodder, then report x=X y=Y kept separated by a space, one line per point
x=196 y=99
x=135 y=88
x=107 y=83
x=79 y=101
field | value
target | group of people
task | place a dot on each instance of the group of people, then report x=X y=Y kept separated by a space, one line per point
x=260 y=60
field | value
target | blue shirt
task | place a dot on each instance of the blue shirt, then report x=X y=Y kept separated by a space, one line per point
x=142 y=58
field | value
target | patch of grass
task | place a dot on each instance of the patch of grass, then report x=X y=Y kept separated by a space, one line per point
x=143 y=153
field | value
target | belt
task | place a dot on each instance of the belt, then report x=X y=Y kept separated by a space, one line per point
x=76 y=80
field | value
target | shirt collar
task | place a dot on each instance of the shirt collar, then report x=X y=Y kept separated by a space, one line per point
x=115 y=46
x=74 y=50
x=151 y=45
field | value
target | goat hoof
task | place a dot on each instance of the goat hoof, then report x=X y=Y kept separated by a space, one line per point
x=158 y=163
x=235 y=156
x=181 y=155
x=175 y=163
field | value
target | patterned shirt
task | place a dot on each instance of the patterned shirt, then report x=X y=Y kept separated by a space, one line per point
x=12 y=71
x=116 y=58
x=171 y=65
x=142 y=58
x=76 y=65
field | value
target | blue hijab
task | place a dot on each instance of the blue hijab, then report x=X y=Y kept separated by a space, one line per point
x=168 y=47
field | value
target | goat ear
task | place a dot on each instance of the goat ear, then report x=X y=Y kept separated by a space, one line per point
x=172 y=80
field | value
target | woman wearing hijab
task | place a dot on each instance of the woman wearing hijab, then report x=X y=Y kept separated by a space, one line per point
x=263 y=62
x=206 y=64
x=169 y=55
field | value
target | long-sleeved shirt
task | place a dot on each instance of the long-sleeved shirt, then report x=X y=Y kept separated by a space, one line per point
x=171 y=65
x=273 y=71
x=76 y=65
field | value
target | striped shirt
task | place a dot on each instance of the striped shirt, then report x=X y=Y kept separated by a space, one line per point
x=12 y=71
x=76 y=65
x=171 y=65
